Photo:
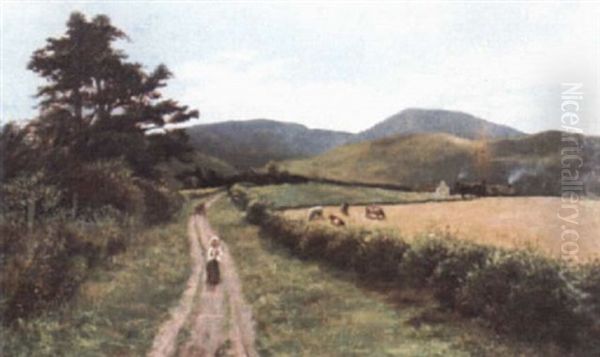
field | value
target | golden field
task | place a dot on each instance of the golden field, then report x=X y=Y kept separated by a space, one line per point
x=511 y=222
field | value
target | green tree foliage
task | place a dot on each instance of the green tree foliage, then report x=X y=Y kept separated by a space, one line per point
x=96 y=104
x=25 y=190
x=16 y=153
x=82 y=174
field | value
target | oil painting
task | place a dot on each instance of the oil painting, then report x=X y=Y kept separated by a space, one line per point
x=304 y=178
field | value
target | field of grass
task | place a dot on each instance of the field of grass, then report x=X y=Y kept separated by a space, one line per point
x=311 y=194
x=117 y=311
x=304 y=308
x=510 y=222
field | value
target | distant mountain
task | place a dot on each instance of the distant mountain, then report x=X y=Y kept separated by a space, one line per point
x=415 y=121
x=531 y=163
x=253 y=143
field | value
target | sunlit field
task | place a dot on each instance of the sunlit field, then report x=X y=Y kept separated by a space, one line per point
x=514 y=222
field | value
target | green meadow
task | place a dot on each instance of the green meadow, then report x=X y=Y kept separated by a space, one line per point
x=311 y=194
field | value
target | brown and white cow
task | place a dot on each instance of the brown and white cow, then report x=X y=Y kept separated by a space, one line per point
x=336 y=221
x=374 y=212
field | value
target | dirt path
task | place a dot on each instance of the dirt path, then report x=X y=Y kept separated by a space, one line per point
x=221 y=322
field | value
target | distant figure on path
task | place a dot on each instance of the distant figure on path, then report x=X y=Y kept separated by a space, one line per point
x=215 y=252
x=200 y=209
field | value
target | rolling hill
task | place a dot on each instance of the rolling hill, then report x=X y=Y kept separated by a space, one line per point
x=253 y=143
x=414 y=121
x=531 y=163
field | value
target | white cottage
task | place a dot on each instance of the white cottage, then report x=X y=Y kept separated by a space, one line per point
x=442 y=191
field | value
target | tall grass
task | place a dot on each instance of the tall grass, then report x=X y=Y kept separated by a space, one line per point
x=118 y=307
x=50 y=242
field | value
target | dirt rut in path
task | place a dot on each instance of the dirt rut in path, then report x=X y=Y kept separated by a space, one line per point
x=164 y=343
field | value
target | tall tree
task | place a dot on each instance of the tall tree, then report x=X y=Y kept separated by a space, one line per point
x=94 y=101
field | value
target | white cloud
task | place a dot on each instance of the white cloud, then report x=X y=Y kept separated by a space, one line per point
x=239 y=86
x=341 y=66
x=242 y=87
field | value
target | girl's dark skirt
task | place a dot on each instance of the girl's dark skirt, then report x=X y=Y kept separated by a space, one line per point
x=213 y=275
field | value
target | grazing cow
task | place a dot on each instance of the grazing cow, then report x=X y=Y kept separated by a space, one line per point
x=477 y=189
x=336 y=221
x=345 y=207
x=374 y=212
x=315 y=213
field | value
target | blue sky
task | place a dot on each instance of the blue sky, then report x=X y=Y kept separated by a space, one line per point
x=339 y=66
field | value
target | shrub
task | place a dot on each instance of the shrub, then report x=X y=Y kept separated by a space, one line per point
x=379 y=256
x=422 y=259
x=160 y=203
x=256 y=211
x=106 y=183
x=590 y=287
x=341 y=248
x=313 y=243
x=239 y=196
x=20 y=192
x=103 y=234
x=43 y=268
x=450 y=274
x=46 y=273
x=587 y=290
x=522 y=293
x=283 y=231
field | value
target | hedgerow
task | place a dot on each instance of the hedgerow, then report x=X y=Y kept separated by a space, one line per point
x=520 y=292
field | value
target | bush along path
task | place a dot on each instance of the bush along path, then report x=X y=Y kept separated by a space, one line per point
x=220 y=321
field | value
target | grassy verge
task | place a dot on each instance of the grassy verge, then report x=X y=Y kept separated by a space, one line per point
x=305 y=308
x=311 y=194
x=118 y=310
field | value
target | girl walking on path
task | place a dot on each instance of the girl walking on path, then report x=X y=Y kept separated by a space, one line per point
x=215 y=252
